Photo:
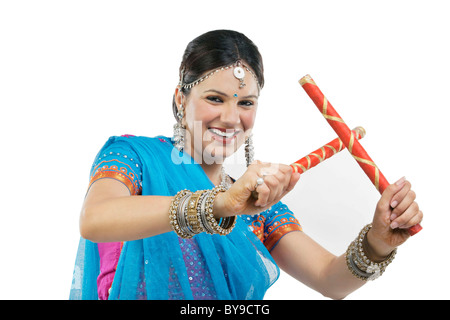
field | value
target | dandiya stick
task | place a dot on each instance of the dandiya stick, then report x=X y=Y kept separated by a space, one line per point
x=348 y=138
x=323 y=153
x=314 y=158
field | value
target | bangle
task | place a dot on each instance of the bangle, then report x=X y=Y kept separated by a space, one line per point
x=182 y=216
x=192 y=217
x=192 y=213
x=223 y=227
x=204 y=214
x=176 y=217
x=358 y=262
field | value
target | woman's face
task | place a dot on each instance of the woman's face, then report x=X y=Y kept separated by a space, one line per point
x=219 y=116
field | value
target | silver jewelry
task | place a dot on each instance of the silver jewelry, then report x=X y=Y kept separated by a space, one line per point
x=176 y=217
x=360 y=265
x=180 y=113
x=238 y=72
x=249 y=150
x=225 y=180
x=182 y=216
x=192 y=213
x=223 y=227
x=259 y=182
x=208 y=228
x=179 y=131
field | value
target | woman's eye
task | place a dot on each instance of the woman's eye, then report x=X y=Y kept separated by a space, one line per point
x=246 y=103
x=214 y=99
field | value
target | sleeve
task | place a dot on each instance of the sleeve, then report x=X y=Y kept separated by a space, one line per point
x=118 y=161
x=279 y=221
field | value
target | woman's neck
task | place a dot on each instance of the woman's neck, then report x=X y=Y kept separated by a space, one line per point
x=213 y=171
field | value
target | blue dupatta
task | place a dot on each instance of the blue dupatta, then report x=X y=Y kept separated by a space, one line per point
x=236 y=266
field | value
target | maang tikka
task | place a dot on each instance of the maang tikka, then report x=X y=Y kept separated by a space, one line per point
x=238 y=71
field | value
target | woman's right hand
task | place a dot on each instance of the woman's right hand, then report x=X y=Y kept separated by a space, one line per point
x=278 y=181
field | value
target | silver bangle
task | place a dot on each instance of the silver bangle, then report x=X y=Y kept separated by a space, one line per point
x=203 y=214
x=174 y=214
x=189 y=218
x=181 y=216
x=227 y=224
x=358 y=262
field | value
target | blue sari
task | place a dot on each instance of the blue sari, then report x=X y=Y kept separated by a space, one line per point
x=236 y=266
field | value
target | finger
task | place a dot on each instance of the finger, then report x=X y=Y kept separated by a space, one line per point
x=384 y=204
x=257 y=166
x=413 y=221
x=277 y=180
x=398 y=197
x=406 y=216
x=285 y=168
x=275 y=186
x=293 y=181
x=283 y=177
x=263 y=195
x=407 y=200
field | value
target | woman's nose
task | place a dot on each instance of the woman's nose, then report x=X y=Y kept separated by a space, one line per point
x=230 y=114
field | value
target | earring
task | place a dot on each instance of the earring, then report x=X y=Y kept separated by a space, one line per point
x=249 y=150
x=179 y=131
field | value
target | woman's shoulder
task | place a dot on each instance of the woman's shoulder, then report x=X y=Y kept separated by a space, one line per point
x=134 y=146
x=134 y=140
x=132 y=137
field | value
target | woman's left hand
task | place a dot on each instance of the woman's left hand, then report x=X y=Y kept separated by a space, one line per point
x=395 y=213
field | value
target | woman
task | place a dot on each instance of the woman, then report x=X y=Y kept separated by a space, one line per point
x=162 y=220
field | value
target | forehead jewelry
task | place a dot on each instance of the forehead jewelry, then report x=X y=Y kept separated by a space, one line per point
x=239 y=74
x=238 y=71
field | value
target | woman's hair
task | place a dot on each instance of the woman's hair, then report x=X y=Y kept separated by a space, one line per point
x=216 y=49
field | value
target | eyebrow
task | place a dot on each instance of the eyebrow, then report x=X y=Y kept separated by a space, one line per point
x=225 y=95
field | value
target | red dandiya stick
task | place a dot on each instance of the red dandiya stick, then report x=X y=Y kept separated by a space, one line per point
x=314 y=158
x=348 y=138
x=323 y=153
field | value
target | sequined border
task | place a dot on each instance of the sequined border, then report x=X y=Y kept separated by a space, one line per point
x=271 y=230
x=125 y=179
x=281 y=231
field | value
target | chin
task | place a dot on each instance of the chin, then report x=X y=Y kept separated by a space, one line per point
x=214 y=153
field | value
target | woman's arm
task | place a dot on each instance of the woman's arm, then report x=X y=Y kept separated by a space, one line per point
x=308 y=262
x=111 y=214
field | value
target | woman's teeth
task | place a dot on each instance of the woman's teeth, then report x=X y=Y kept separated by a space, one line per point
x=224 y=134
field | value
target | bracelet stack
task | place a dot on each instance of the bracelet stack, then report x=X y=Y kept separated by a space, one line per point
x=359 y=264
x=192 y=213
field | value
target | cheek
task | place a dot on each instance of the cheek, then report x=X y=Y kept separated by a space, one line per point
x=195 y=115
x=248 y=119
x=199 y=112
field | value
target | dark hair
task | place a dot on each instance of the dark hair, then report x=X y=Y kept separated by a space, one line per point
x=216 y=49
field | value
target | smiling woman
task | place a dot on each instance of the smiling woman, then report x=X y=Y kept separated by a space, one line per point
x=218 y=105
x=154 y=227
x=224 y=121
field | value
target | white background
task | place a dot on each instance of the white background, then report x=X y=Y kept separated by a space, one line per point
x=73 y=73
